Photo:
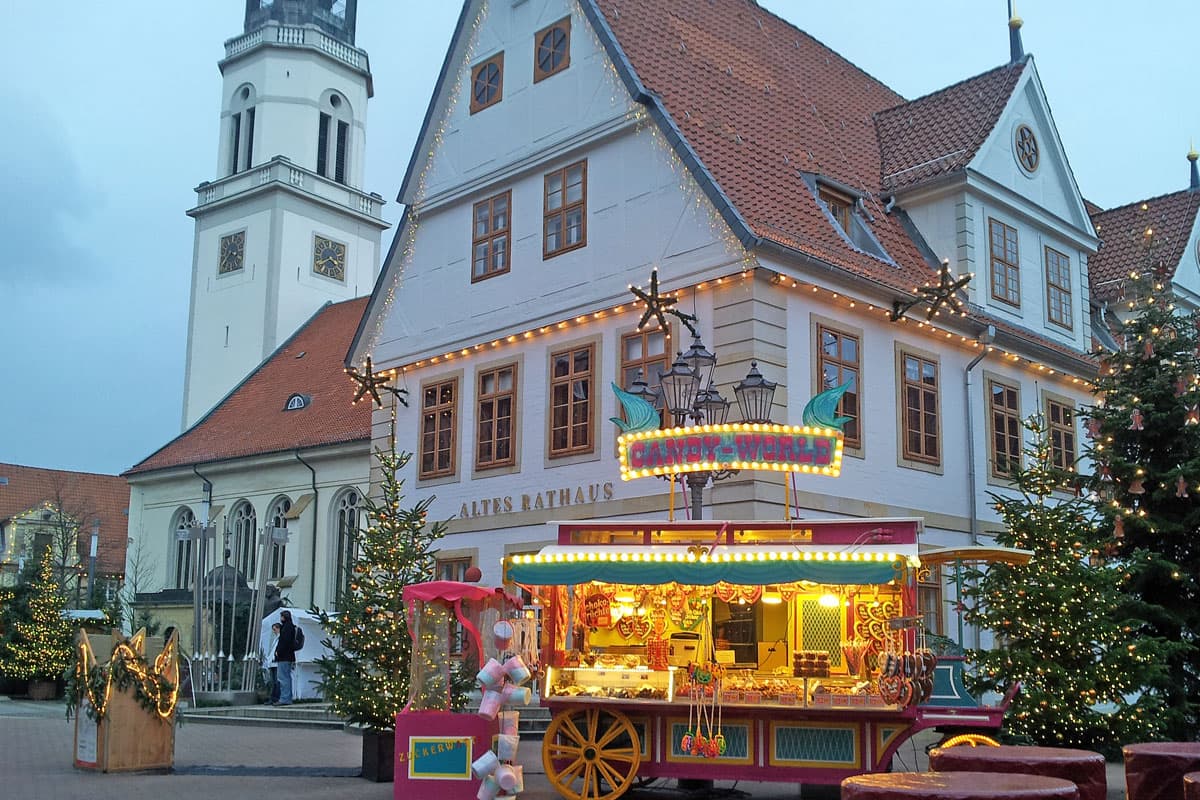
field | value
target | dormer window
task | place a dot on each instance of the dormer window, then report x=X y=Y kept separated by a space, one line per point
x=297 y=402
x=839 y=207
x=847 y=214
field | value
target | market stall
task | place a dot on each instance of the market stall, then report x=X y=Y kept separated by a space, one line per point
x=735 y=650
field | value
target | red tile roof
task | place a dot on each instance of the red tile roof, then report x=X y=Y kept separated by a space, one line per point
x=85 y=496
x=941 y=132
x=251 y=420
x=1122 y=230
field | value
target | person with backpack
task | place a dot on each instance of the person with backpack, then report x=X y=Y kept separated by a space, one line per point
x=285 y=655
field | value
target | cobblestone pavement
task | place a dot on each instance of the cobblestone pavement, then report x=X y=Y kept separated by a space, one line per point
x=229 y=762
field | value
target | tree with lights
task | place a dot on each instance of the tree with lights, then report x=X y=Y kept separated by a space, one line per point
x=38 y=641
x=365 y=677
x=1145 y=446
x=1057 y=620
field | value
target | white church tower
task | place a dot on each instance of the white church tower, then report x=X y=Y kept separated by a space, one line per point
x=285 y=225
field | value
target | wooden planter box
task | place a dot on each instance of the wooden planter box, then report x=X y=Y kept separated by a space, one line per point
x=127 y=739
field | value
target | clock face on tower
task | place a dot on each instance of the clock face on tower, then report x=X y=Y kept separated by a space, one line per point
x=329 y=258
x=232 y=255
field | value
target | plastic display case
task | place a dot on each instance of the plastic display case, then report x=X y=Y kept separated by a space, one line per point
x=632 y=683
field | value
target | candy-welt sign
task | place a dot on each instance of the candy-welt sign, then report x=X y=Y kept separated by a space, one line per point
x=778 y=448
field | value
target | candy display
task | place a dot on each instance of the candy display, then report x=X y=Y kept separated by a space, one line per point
x=501 y=682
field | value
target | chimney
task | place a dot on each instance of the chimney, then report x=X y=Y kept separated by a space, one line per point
x=1015 y=51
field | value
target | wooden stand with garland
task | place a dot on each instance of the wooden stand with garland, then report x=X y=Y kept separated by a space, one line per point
x=124 y=709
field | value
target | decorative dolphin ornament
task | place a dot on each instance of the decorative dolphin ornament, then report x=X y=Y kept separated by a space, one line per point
x=821 y=411
x=639 y=414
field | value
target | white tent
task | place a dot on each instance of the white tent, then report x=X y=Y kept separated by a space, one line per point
x=304 y=674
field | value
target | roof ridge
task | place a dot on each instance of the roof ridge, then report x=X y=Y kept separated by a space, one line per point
x=1010 y=65
x=56 y=469
x=1146 y=200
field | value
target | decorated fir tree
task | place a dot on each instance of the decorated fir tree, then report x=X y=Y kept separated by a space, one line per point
x=38 y=640
x=365 y=677
x=1056 y=620
x=1145 y=446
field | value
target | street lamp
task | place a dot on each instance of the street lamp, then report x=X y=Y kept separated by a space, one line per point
x=92 y=560
x=687 y=392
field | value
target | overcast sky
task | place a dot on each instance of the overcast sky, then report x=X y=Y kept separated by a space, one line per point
x=112 y=117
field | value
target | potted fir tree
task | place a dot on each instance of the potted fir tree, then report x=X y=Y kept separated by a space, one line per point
x=365 y=676
x=37 y=643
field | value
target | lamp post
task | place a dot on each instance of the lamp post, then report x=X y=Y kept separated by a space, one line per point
x=687 y=392
x=92 y=559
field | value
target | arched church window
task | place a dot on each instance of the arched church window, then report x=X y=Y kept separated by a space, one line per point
x=241 y=129
x=243 y=526
x=278 y=517
x=183 y=523
x=347 y=521
x=333 y=137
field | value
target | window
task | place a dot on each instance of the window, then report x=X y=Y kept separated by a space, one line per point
x=185 y=520
x=1062 y=434
x=278 y=518
x=244 y=529
x=929 y=598
x=564 y=210
x=552 y=50
x=235 y=145
x=249 y=138
x=346 y=511
x=439 y=425
x=1058 y=288
x=490 y=236
x=487 y=83
x=838 y=363
x=333 y=138
x=1006 y=276
x=920 y=409
x=571 y=401
x=644 y=353
x=497 y=402
x=454 y=569
x=839 y=207
x=241 y=129
x=1005 y=409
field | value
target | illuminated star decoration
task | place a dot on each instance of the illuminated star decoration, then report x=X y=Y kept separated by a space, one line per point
x=369 y=384
x=658 y=306
x=943 y=293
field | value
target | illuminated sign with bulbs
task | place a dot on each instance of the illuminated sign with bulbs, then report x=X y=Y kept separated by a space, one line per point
x=750 y=446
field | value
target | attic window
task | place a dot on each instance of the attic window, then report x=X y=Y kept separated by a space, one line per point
x=487 y=83
x=297 y=402
x=839 y=207
x=846 y=213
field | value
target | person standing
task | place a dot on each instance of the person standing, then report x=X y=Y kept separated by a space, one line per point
x=269 y=665
x=285 y=656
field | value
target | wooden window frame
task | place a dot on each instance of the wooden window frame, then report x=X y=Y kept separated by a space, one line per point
x=454 y=566
x=628 y=366
x=840 y=207
x=489 y=237
x=540 y=74
x=842 y=364
x=497 y=61
x=1061 y=313
x=482 y=398
x=437 y=408
x=560 y=213
x=1004 y=424
x=572 y=448
x=1010 y=270
x=931 y=583
x=1061 y=432
x=907 y=453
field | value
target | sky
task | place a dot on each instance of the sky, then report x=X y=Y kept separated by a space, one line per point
x=112 y=119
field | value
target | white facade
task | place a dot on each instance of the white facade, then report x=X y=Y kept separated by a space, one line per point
x=644 y=210
x=281 y=229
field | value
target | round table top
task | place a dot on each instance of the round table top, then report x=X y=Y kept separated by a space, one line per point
x=1020 y=754
x=1185 y=749
x=956 y=786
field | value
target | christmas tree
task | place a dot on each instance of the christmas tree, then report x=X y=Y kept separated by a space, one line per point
x=366 y=675
x=1056 y=620
x=1145 y=447
x=38 y=641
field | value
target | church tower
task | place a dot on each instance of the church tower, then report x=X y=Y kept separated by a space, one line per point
x=285 y=225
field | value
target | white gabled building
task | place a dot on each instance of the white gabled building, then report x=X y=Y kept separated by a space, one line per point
x=787 y=198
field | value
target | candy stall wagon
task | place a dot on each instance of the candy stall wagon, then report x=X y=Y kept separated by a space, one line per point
x=781 y=651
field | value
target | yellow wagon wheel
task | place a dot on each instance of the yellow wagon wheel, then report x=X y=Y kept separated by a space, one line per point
x=591 y=754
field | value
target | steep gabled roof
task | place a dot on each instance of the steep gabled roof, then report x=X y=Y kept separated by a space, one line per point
x=252 y=419
x=79 y=494
x=941 y=132
x=1123 y=232
x=760 y=102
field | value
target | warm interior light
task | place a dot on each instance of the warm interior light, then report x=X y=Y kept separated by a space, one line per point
x=828 y=600
x=771 y=596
